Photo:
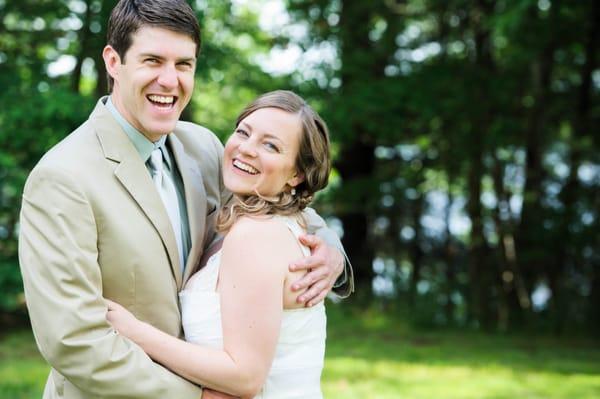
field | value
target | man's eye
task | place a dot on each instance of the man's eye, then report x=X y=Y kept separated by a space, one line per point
x=151 y=60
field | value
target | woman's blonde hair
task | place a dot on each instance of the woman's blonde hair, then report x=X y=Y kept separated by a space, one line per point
x=313 y=163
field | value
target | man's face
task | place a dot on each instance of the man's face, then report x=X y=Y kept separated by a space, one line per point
x=154 y=82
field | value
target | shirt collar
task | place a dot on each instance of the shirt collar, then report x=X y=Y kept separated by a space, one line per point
x=143 y=146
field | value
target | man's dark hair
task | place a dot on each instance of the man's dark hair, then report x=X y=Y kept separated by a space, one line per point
x=130 y=15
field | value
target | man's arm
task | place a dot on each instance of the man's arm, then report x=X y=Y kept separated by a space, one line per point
x=222 y=196
x=325 y=264
x=63 y=286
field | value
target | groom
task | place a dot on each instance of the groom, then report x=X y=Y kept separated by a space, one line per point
x=124 y=208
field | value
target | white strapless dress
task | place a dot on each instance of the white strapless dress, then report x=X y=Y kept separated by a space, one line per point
x=296 y=368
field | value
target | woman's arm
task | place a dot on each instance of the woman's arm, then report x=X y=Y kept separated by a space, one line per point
x=252 y=272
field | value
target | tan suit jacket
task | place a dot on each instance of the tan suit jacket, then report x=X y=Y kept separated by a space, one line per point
x=92 y=227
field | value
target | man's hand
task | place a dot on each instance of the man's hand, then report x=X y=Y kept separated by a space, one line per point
x=324 y=265
x=210 y=394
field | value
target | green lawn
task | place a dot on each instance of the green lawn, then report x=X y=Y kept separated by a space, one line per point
x=371 y=356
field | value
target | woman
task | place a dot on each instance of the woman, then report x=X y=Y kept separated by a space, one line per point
x=245 y=333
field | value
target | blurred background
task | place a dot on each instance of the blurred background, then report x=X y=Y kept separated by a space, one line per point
x=466 y=183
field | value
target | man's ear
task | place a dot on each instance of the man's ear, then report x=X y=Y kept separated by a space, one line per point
x=111 y=61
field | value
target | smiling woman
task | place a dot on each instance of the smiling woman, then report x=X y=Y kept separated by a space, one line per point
x=276 y=159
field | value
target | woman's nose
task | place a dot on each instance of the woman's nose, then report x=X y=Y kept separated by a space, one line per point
x=248 y=147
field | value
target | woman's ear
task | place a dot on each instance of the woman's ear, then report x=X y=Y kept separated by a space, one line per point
x=296 y=179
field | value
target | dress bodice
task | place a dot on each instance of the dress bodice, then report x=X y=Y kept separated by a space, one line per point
x=298 y=362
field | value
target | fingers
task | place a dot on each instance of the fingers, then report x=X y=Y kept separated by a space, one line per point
x=311 y=240
x=309 y=279
x=319 y=298
x=111 y=305
x=318 y=256
x=210 y=394
x=314 y=294
x=310 y=262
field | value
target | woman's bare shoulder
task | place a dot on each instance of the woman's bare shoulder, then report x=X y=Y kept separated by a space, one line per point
x=264 y=233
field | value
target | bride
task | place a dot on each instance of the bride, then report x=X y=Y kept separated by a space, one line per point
x=246 y=335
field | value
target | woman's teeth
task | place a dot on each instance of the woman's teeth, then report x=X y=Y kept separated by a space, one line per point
x=245 y=167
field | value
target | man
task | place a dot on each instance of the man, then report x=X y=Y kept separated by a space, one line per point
x=124 y=208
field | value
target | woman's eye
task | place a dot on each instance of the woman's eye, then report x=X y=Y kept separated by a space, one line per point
x=272 y=147
x=242 y=132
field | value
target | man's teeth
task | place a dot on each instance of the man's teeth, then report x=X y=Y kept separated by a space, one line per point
x=245 y=167
x=162 y=99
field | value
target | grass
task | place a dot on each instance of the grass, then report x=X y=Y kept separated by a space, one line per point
x=373 y=356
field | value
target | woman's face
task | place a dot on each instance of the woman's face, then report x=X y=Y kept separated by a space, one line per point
x=260 y=156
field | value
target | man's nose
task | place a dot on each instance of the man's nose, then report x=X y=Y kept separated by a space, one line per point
x=168 y=76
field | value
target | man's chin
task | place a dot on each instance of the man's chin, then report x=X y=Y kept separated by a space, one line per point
x=160 y=129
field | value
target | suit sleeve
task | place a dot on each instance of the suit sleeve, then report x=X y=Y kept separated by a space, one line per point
x=222 y=197
x=63 y=287
x=344 y=286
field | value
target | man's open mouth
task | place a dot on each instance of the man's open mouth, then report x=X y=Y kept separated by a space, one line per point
x=162 y=101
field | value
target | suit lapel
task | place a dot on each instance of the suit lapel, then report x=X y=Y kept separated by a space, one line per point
x=195 y=197
x=133 y=175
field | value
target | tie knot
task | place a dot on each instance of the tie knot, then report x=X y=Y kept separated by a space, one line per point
x=156 y=160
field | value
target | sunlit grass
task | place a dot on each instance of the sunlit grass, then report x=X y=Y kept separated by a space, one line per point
x=370 y=355
x=22 y=370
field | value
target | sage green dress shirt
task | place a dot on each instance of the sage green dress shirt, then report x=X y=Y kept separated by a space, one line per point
x=145 y=147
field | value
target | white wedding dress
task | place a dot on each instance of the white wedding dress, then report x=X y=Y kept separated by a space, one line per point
x=296 y=368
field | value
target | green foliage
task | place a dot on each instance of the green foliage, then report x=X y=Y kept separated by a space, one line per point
x=461 y=131
x=38 y=108
x=464 y=105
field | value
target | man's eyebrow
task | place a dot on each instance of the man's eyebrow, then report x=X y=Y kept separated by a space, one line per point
x=151 y=55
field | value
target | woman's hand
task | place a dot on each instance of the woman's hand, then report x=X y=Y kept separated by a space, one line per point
x=123 y=321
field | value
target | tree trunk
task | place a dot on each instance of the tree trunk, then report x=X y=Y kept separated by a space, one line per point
x=357 y=162
x=84 y=36
x=531 y=252
x=479 y=269
x=449 y=255
x=416 y=253
x=98 y=43
x=566 y=244
x=514 y=296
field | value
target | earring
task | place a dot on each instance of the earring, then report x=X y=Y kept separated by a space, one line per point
x=293 y=191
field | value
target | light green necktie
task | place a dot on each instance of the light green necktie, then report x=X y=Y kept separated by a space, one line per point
x=166 y=188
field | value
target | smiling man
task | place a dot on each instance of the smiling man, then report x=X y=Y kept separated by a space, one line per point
x=124 y=208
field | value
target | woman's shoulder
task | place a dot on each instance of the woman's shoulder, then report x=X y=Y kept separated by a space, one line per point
x=265 y=230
